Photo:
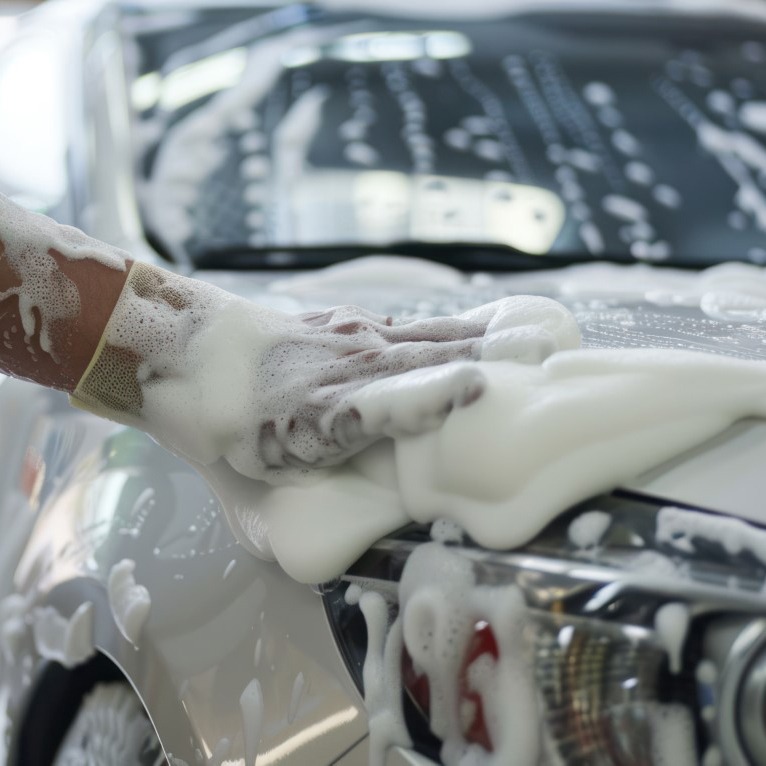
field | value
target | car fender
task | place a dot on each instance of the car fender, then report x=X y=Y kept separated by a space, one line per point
x=222 y=624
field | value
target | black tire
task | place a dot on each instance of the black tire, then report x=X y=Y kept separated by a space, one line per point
x=110 y=729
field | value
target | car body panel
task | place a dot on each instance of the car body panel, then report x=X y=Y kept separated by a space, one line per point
x=219 y=617
x=103 y=493
x=78 y=494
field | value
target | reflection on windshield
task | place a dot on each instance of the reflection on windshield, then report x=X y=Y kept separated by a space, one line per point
x=344 y=207
x=566 y=133
x=384 y=46
x=190 y=82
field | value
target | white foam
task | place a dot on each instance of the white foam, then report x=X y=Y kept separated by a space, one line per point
x=598 y=94
x=731 y=292
x=526 y=438
x=706 y=672
x=639 y=173
x=13 y=627
x=255 y=167
x=671 y=623
x=68 y=641
x=583 y=160
x=361 y=153
x=673 y=736
x=440 y=607
x=591 y=237
x=381 y=678
x=679 y=527
x=624 y=208
x=478 y=125
x=45 y=295
x=130 y=603
x=626 y=143
x=667 y=196
x=540 y=439
x=379 y=270
x=551 y=426
x=651 y=251
x=445 y=531
x=489 y=149
x=753 y=115
x=588 y=528
x=739 y=154
x=721 y=101
x=458 y=138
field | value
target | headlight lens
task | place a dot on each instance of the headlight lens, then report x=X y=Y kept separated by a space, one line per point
x=638 y=649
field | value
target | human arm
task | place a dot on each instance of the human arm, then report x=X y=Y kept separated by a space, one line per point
x=213 y=376
x=58 y=289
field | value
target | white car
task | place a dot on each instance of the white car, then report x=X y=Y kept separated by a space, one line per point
x=601 y=153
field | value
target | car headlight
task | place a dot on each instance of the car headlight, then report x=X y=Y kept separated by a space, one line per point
x=639 y=637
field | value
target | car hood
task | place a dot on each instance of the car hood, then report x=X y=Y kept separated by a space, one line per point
x=640 y=306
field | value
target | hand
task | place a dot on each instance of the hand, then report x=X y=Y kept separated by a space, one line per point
x=310 y=419
x=355 y=377
x=211 y=375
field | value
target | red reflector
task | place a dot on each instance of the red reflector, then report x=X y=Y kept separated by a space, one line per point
x=482 y=642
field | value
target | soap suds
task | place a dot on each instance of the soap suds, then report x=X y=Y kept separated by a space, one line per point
x=671 y=624
x=470 y=662
x=68 y=641
x=381 y=270
x=498 y=447
x=730 y=292
x=46 y=297
x=588 y=528
x=129 y=602
x=540 y=439
x=446 y=531
x=13 y=627
x=680 y=528
x=440 y=608
x=673 y=736
x=169 y=340
x=381 y=678
x=499 y=420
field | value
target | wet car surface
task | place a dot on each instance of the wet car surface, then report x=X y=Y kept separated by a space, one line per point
x=253 y=145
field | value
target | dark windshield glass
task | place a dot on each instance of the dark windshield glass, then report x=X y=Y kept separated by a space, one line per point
x=564 y=135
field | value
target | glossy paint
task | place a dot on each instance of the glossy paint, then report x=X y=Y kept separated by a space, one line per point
x=78 y=494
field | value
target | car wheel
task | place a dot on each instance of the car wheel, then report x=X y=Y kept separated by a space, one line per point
x=110 y=729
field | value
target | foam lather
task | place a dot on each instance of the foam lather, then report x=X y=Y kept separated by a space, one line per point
x=494 y=420
x=215 y=377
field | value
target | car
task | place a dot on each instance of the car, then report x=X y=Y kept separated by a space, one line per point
x=418 y=160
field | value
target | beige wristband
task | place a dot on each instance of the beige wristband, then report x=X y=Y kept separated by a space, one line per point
x=110 y=386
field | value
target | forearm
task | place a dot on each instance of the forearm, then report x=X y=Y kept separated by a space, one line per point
x=212 y=376
x=57 y=291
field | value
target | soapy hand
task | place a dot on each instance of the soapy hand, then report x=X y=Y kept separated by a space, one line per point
x=330 y=356
x=214 y=376
x=355 y=377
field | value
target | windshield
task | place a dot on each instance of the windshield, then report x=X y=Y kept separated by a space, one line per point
x=297 y=136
